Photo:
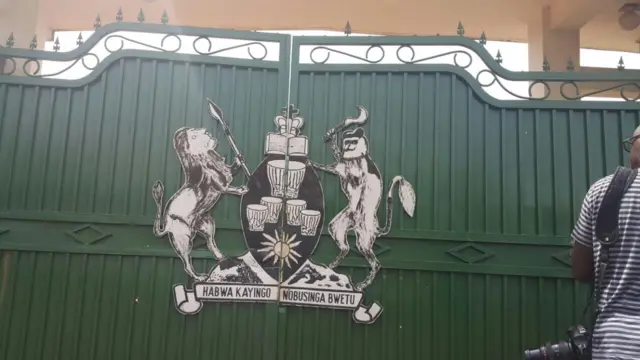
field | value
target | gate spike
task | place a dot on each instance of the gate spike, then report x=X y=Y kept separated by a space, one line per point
x=499 y=57
x=80 y=40
x=460 y=28
x=119 y=16
x=347 y=28
x=165 y=17
x=570 y=65
x=140 y=16
x=34 y=43
x=56 y=45
x=545 y=65
x=620 y=64
x=483 y=39
x=97 y=23
x=10 y=41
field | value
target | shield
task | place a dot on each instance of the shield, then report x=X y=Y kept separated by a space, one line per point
x=282 y=214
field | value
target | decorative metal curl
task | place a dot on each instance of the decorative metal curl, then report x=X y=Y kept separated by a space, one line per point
x=14 y=66
x=496 y=79
x=173 y=36
x=547 y=90
x=248 y=45
x=39 y=66
x=413 y=54
x=622 y=87
x=159 y=48
x=575 y=87
x=330 y=50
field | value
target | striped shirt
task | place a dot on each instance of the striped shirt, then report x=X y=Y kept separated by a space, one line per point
x=617 y=331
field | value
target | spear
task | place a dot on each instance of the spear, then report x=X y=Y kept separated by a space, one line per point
x=216 y=113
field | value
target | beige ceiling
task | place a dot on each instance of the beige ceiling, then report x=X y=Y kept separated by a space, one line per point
x=603 y=32
x=500 y=19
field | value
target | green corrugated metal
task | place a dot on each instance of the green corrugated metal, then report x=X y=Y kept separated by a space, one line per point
x=480 y=272
x=94 y=149
x=78 y=306
x=477 y=168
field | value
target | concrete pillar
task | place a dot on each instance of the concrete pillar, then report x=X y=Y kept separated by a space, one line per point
x=557 y=44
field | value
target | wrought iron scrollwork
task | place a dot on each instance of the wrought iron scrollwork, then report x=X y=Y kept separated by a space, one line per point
x=626 y=89
x=378 y=49
x=149 y=46
x=32 y=67
x=623 y=89
x=12 y=69
x=540 y=85
x=412 y=59
x=366 y=57
x=30 y=61
x=564 y=85
x=494 y=79
x=36 y=72
x=493 y=72
x=247 y=45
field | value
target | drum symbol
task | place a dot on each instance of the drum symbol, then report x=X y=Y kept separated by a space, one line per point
x=256 y=214
x=294 y=208
x=274 y=205
x=309 y=221
x=267 y=211
x=295 y=174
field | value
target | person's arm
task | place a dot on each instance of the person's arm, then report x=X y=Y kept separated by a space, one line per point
x=582 y=236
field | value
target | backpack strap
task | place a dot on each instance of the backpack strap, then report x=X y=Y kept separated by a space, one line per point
x=607 y=228
x=607 y=232
x=607 y=220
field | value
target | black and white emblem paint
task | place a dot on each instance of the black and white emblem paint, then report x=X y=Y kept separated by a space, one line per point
x=284 y=208
x=361 y=182
x=282 y=217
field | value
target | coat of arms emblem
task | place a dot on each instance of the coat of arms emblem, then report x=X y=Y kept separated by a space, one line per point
x=282 y=216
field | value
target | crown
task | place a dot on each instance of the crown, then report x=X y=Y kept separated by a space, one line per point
x=289 y=123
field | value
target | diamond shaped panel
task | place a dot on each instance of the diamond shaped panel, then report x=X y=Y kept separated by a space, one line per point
x=87 y=234
x=563 y=257
x=470 y=253
x=379 y=248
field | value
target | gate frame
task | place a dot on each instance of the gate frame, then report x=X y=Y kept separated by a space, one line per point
x=289 y=69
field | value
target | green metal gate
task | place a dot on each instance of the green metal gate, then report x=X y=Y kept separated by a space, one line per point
x=481 y=271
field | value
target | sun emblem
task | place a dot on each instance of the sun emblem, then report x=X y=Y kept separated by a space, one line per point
x=280 y=248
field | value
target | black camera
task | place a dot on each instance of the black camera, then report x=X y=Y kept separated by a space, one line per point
x=575 y=348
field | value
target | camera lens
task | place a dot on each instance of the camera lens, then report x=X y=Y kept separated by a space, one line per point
x=564 y=350
x=560 y=351
x=539 y=354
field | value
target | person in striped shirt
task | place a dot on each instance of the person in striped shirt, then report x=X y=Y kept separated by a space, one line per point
x=616 y=335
